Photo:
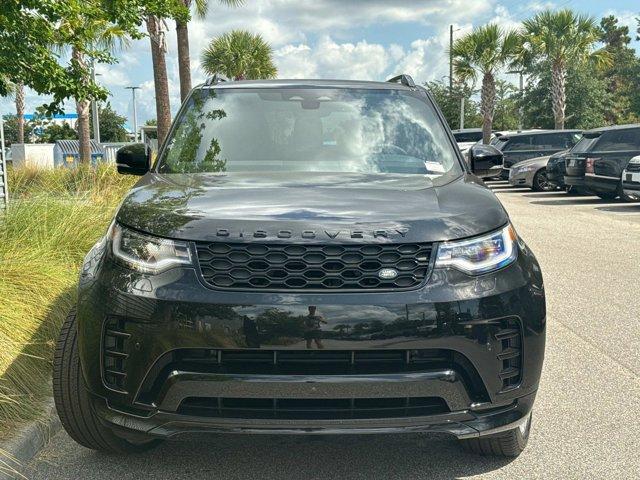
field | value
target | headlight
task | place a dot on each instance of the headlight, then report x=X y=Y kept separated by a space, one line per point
x=146 y=253
x=481 y=254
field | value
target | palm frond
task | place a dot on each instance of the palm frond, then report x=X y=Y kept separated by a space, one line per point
x=202 y=6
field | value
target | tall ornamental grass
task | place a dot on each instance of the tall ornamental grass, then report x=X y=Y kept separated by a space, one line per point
x=54 y=218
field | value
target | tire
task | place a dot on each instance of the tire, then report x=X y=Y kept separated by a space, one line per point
x=540 y=182
x=624 y=197
x=73 y=402
x=607 y=195
x=506 y=444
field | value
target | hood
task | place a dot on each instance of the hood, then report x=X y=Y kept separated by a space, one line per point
x=311 y=206
x=540 y=161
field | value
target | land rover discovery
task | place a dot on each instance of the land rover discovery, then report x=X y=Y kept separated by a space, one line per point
x=304 y=257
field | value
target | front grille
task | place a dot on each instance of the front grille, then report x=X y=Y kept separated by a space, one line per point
x=114 y=353
x=237 y=266
x=311 y=362
x=312 y=409
x=633 y=167
x=308 y=362
x=510 y=354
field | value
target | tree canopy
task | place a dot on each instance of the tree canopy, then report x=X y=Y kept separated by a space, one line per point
x=112 y=125
x=239 y=55
x=29 y=29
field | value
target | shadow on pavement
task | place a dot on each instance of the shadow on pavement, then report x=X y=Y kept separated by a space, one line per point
x=265 y=456
x=577 y=201
x=624 y=208
x=557 y=194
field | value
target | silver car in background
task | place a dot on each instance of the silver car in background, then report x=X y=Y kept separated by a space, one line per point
x=532 y=173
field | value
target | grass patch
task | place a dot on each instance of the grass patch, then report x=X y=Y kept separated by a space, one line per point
x=53 y=219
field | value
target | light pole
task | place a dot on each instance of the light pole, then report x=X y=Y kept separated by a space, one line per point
x=135 y=113
x=451 y=31
x=94 y=108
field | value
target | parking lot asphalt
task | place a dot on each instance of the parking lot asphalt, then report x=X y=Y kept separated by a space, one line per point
x=586 y=417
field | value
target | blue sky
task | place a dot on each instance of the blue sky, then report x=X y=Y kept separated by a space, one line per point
x=362 y=39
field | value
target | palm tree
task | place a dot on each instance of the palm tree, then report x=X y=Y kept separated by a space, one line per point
x=557 y=38
x=182 y=34
x=104 y=36
x=157 y=28
x=239 y=55
x=485 y=52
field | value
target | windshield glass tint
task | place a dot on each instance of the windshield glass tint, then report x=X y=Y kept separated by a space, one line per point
x=310 y=130
x=467 y=136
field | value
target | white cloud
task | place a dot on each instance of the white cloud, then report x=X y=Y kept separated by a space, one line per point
x=112 y=76
x=625 y=18
x=328 y=59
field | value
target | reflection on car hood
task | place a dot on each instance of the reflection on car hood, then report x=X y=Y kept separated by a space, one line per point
x=310 y=207
x=541 y=161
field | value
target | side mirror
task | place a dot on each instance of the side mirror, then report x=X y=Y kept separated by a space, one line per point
x=485 y=160
x=133 y=159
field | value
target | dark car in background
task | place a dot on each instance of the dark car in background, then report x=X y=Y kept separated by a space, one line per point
x=521 y=146
x=467 y=137
x=597 y=162
x=305 y=257
x=609 y=157
x=556 y=169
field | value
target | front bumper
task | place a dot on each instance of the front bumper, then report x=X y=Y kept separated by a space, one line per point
x=521 y=179
x=153 y=352
x=601 y=183
x=466 y=424
x=631 y=189
x=556 y=178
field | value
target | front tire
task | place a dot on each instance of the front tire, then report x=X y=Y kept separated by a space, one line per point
x=73 y=402
x=541 y=183
x=505 y=444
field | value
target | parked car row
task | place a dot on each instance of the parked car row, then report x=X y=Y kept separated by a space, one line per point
x=603 y=161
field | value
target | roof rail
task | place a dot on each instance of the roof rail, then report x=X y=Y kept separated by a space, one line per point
x=215 y=80
x=404 y=79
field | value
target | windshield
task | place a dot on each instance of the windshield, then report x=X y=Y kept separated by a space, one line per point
x=584 y=144
x=310 y=130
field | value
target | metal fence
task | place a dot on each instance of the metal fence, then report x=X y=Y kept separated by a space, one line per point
x=110 y=150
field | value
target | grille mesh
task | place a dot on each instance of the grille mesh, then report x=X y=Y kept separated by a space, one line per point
x=312 y=267
x=311 y=409
x=114 y=353
x=633 y=167
x=510 y=354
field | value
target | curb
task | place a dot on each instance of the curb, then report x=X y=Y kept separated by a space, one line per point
x=18 y=450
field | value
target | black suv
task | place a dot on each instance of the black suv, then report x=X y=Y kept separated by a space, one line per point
x=521 y=146
x=607 y=158
x=304 y=257
x=556 y=169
